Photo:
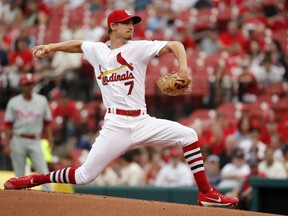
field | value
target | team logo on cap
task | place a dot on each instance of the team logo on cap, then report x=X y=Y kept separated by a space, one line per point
x=128 y=12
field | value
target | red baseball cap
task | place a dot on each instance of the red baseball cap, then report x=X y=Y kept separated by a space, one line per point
x=27 y=78
x=117 y=16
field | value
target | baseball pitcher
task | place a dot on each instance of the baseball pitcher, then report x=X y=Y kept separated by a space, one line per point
x=120 y=70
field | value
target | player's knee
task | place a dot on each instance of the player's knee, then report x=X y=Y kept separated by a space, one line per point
x=190 y=137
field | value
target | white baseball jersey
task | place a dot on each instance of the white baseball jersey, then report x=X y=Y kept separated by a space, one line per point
x=120 y=74
x=27 y=116
x=123 y=70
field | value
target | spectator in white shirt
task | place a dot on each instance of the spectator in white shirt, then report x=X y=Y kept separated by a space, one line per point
x=267 y=73
x=131 y=173
x=108 y=177
x=94 y=32
x=272 y=168
x=175 y=173
x=234 y=173
x=253 y=147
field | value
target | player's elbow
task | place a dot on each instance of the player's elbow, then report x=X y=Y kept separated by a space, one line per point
x=171 y=47
x=175 y=45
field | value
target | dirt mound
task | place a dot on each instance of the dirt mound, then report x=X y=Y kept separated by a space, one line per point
x=32 y=203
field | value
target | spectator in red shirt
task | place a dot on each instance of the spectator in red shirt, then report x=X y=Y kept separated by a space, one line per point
x=247 y=84
x=253 y=14
x=234 y=58
x=231 y=36
x=251 y=36
x=22 y=56
x=216 y=139
x=65 y=109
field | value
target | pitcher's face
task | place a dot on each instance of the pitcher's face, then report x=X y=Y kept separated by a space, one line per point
x=125 y=29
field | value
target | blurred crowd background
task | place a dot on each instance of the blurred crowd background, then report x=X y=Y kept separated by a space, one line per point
x=238 y=102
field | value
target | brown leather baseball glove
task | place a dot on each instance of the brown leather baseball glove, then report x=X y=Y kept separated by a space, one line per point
x=172 y=84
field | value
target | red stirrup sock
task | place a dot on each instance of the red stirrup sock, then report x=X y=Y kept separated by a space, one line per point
x=66 y=175
x=193 y=157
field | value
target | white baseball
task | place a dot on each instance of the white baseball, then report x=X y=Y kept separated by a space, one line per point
x=38 y=53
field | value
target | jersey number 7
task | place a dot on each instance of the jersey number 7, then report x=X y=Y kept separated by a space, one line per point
x=131 y=85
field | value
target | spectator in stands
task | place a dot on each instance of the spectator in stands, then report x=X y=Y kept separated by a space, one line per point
x=35 y=13
x=227 y=124
x=11 y=13
x=158 y=21
x=254 y=53
x=205 y=150
x=234 y=173
x=108 y=177
x=247 y=84
x=153 y=168
x=233 y=60
x=243 y=129
x=271 y=128
x=179 y=6
x=285 y=156
x=216 y=139
x=253 y=15
x=251 y=36
x=66 y=109
x=212 y=169
x=277 y=144
x=62 y=63
x=218 y=87
x=3 y=54
x=272 y=168
x=94 y=32
x=230 y=147
x=21 y=58
x=268 y=73
x=183 y=35
x=276 y=14
x=24 y=33
x=75 y=3
x=96 y=5
x=278 y=56
x=244 y=192
x=201 y=4
x=282 y=127
x=120 y=4
x=63 y=161
x=176 y=173
x=230 y=36
x=253 y=148
x=74 y=30
x=130 y=172
x=209 y=41
x=8 y=33
x=142 y=4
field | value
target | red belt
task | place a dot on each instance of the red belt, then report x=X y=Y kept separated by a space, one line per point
x=126 y=112
x=28 y=136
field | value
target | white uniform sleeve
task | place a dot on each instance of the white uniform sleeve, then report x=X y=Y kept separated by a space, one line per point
x=9 y=116
x=150 y=49
x=90 y=50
